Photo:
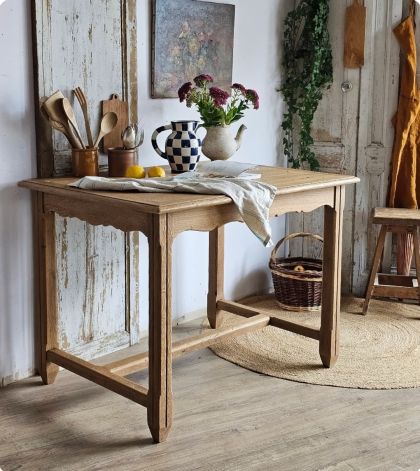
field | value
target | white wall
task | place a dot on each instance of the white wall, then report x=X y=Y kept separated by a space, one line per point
x=256 y=64
x=17 y=161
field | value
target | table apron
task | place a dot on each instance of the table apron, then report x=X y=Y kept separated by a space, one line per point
x=96 y=213
x=127 y=218
x=209 y=218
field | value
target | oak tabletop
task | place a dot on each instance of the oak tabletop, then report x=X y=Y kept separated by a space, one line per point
x=286 y=181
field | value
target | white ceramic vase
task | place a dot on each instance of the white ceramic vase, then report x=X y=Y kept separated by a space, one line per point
x=219 y=142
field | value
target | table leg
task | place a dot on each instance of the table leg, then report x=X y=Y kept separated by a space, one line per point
x=159 y=410
x=216 y=275
x=47 y=291
x=331 y=292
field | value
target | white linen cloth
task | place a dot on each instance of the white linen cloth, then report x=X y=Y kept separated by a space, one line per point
x=252 y=198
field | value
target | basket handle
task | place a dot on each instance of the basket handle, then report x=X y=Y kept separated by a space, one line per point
x=293 y=236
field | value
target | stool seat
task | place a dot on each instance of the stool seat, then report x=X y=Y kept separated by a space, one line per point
x=396 y=216
x=387 y=285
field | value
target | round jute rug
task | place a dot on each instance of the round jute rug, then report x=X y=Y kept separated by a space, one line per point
x=377 y=351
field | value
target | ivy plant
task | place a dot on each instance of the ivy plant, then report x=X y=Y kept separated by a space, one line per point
x=308 y=73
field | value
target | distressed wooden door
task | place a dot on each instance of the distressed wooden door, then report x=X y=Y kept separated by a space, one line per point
x=353 y=134
x=335 y=135
x=92 y=45
x=379 y=81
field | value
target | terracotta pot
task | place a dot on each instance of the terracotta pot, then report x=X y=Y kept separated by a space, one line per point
x=119 y=160
x=85 y=162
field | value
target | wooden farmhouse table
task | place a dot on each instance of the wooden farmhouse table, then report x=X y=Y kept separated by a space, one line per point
x=161 y=217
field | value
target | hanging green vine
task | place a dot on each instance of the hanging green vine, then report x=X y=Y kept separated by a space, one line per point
x=308 y=72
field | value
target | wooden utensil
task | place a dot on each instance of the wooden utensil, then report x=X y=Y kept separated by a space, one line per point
x=69 y=112
x=56 y=125
x=81 y=97
x=108 y=123
x=53 y=108
x=120 y=108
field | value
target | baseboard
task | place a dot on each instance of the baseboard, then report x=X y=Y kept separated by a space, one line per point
x=191 y=316
x=6 y=380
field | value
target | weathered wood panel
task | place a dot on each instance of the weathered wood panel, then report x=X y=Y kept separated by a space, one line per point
x=92 y=45
x=353 y=134
x=378 y=103
x=102 y=298
x=335 y=135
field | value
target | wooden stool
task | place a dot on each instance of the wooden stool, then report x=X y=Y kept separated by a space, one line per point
x=394 y=286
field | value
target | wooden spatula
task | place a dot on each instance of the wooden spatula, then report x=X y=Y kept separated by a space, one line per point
x=55 y=124
x=53 y=107
x=69 y=112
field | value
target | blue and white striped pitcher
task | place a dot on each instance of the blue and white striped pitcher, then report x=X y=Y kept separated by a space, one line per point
x=182 y=148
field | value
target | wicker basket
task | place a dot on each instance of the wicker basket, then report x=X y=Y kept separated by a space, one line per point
x=297 y=290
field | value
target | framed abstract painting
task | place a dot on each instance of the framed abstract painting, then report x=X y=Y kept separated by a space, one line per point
x=191 y=37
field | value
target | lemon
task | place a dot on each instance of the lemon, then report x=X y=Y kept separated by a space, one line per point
x=156 y=172
x=135 y=171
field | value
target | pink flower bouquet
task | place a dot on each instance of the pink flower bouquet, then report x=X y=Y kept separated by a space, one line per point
x=216 y=106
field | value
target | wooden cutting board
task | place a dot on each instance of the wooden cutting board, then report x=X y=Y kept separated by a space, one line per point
x=354 y=35
x=120 y=108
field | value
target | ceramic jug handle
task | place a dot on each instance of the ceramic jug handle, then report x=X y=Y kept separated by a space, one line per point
x=201 y=125
x=154 y=140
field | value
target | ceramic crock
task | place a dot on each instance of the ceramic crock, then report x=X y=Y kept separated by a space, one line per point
x=85 y=162
x=119 y=160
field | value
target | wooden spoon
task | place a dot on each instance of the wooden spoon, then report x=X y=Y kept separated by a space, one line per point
x=68 y=111
x=108 y=123
x=52 y=107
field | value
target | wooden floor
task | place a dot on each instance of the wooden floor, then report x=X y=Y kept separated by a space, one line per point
x=226 y=418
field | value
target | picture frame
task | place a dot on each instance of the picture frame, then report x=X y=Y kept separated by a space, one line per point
x=189 y=38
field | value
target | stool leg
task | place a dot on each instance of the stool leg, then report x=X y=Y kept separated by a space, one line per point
x=375 y=267
x=417 y=257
